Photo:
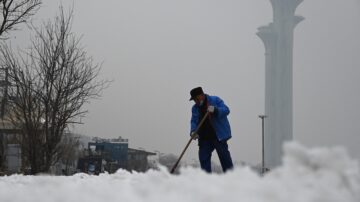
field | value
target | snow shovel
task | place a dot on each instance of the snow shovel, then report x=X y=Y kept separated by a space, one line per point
x=187 y=145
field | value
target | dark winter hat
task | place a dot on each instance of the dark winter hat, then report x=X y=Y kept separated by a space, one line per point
x=195 y=92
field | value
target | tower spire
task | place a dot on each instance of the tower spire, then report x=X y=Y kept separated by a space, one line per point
x=278 y=41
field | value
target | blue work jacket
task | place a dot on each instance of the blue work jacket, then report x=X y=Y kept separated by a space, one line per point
x=218 y=120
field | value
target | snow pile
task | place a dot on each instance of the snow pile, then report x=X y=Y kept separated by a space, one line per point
x=318 y=175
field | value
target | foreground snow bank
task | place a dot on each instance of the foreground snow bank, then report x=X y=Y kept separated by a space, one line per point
x=318 y=175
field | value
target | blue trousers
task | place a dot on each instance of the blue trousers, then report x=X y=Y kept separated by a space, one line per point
x=206 y=147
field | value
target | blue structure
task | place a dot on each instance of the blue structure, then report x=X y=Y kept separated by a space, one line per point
x=110 y=155
x=112 y=151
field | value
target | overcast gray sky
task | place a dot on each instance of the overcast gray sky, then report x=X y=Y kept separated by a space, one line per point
x=157 y=50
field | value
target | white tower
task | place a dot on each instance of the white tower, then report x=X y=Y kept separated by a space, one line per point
x=278 y=41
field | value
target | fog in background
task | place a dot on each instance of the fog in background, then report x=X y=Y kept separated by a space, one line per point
x=157 y=51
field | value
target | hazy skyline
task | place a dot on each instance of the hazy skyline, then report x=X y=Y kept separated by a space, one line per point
x=157 y=51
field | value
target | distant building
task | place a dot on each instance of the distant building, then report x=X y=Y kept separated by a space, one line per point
x=13 y=158
x=91 y=164
x=110 y=155
x=138 y=160
x=10 y=152
x=113 y=151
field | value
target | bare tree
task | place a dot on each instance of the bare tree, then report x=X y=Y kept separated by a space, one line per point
x=51 y=84
x=24 y=108
x=15 y=12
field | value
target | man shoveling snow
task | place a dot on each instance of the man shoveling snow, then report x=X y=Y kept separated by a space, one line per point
x=214 y=131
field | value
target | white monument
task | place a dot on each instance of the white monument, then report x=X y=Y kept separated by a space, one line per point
x=278 y=40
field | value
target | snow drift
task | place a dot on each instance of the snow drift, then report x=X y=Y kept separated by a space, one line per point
x=317 y=175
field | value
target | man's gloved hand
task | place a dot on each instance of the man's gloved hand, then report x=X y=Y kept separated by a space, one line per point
x=211 y=109
x=194 y=135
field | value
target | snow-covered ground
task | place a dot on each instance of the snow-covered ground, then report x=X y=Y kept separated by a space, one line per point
x=318 y=175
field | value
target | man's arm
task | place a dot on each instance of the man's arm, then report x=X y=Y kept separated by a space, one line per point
x=194 y=119
x=220 y=107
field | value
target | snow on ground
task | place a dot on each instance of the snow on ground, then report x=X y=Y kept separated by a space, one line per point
x=317 y=175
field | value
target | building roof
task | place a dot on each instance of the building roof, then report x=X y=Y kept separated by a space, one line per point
x=132 y=151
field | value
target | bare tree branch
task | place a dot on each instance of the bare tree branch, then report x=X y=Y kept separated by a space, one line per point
x=15 y=12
